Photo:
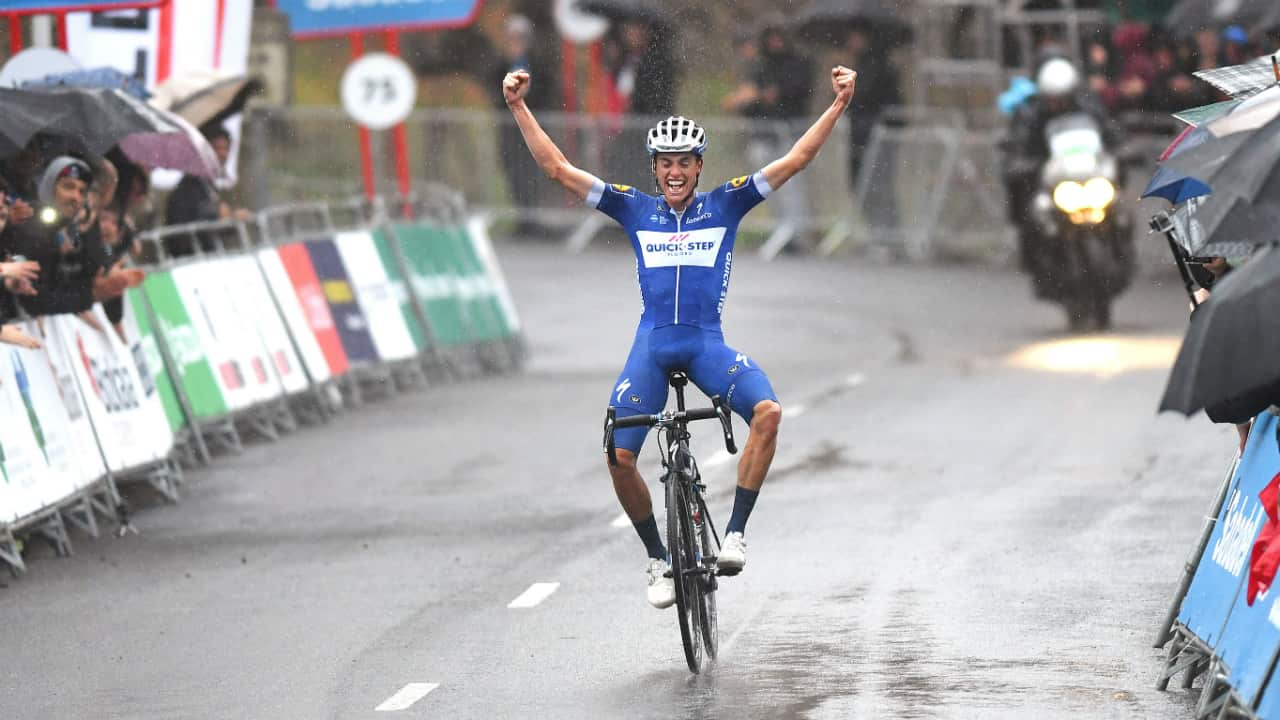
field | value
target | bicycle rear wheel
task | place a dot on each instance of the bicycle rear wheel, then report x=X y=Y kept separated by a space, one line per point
x=684 y=557
x=710 y=616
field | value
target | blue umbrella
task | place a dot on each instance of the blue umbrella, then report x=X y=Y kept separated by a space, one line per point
x=1173 y=185
x=103 y=77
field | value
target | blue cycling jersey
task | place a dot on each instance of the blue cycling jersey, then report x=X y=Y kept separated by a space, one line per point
x=683 y=259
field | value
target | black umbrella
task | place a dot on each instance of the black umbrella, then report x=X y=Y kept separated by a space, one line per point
x=831 y=20
x=1228 y=360
x=98 y=118
x=649 y=12
x=1242 y=170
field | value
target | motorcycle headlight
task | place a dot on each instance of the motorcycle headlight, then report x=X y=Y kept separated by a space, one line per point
x=1099 y=192
x=1070 y=196
x=1093 y=196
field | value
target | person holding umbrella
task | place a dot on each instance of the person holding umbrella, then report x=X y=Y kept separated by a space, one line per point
x=683 y=242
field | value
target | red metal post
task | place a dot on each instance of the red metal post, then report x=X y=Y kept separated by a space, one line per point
x=392 y=42
x=15 y=34
x=63 y=42
x=366 y=147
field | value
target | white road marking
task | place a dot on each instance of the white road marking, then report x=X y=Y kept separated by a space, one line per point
x=793 y=411
x=855 y=380
x=408 y=695
x=621 y=521
x=536 y=593
x=719 y=458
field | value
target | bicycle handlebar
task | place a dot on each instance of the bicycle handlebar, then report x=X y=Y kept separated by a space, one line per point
x=668 y=419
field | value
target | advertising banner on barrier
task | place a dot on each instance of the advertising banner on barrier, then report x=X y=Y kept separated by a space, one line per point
x=1252 y=633
x=1222 y=571
x=377 y=296
x=478 y=305
x=434 y=282
x=69 y=447
x=141 y=341
x=310 y=293
x=400 y=286
x=131 y=429
x=482 y=247
x=295 y=319
x=39 y=466
x=194 y=370
x=240 y=366
x=348 y=318
x=80 y=431
x=247 y=288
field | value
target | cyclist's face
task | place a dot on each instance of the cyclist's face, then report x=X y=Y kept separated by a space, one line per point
x=677 y=175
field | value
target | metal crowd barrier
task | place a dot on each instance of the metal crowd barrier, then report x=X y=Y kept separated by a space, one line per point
x=246 y=326
x=1223 y=625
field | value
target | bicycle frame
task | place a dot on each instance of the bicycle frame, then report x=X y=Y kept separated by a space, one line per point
x=688 y=521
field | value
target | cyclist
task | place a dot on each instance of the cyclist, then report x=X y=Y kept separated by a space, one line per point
x=683 y=241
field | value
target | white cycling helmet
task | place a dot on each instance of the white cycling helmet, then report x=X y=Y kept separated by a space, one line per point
x=1057 y=78
x=674 y=135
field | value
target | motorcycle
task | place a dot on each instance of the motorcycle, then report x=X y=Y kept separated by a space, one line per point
x=1086 y=239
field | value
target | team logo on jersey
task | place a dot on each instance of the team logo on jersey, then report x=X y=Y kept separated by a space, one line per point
x=696 y=247
x=624 y=189
x=635 y=399
x=623 y=387
x=738 y=182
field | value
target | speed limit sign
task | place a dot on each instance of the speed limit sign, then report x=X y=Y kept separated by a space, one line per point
x=378 y=91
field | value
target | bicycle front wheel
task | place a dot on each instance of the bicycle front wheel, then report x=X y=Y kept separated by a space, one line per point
x=709 y=614
x=684 y=558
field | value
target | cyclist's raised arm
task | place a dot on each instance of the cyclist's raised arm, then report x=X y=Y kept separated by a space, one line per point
x=553 y=162
x=806 y=148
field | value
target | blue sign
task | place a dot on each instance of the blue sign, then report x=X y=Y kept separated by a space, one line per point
x=1222 y=571
x=59 y=6
x=318 y=18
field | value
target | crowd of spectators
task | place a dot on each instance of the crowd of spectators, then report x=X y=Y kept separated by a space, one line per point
x=1139 y=67
x=69 y=223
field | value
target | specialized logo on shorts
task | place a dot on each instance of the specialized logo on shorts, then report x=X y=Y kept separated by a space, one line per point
x=738 y=182
x=622 y=387
x=624 y=189
x=695 y=247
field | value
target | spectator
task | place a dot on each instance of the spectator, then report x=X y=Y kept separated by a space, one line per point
x=1172 y=88
x=1098 y=68
x=196 y=199
x=642 y=79
x=1137 y=67
x=520 y=168
x=115 y=243
x=878 y=89
x=14 y=275
x=783 y=83
x=54 y=239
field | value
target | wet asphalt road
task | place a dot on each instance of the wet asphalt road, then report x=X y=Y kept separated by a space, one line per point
x=967 y=517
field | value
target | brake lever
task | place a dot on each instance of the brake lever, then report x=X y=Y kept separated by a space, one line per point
x=610 y=449
x=726 y=424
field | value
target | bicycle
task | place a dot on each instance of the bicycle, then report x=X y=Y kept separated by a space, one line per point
x=690 y=531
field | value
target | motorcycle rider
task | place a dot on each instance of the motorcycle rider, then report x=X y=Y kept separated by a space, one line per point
x=1059 y=91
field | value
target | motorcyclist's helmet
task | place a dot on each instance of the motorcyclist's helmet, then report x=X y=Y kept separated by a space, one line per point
x=676 y=135
x=1057 y=78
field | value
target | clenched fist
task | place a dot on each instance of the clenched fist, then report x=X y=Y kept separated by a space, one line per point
x=842 y=82
x=515 y=86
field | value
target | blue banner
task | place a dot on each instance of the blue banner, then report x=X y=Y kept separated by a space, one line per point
x=55 y=6
x=1222 y=571
x=335 y=17
x=1252 y=634
x=1269 y=705
x=352 y=325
